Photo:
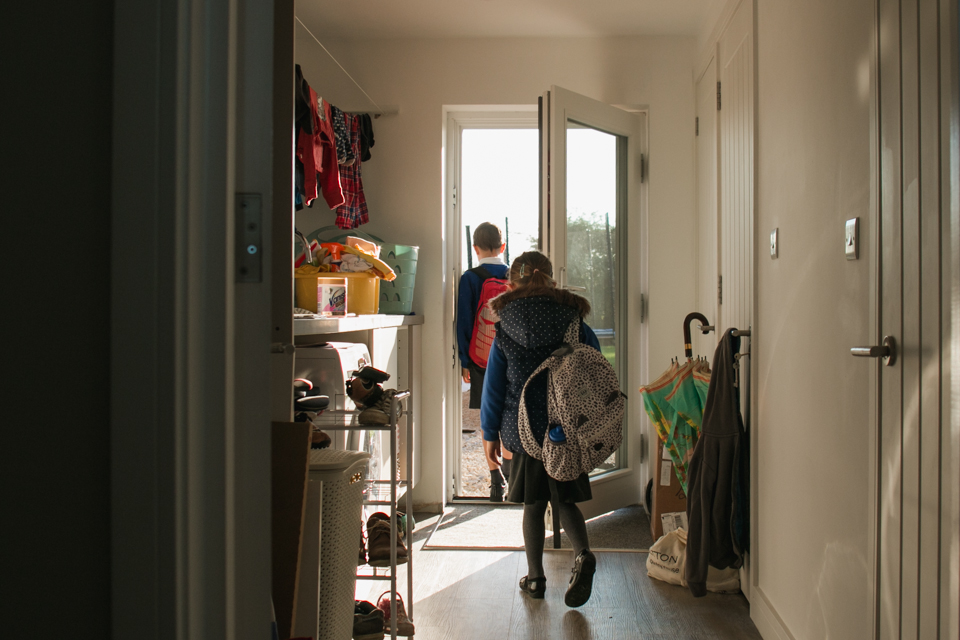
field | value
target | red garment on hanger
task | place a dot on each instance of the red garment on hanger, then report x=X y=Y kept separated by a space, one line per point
x=318 y=153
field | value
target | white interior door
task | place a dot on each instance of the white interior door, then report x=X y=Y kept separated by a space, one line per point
x=918 y=573
x=591 y=173
x=707 y=219
x=735 y=230
x=735 y=109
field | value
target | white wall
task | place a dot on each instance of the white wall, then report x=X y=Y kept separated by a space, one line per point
x=814 y=426
x=403 y=181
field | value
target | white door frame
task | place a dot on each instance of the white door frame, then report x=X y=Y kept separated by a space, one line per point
x=456 y=118
x=190 y=414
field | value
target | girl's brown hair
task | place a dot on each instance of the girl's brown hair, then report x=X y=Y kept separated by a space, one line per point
x=532 y=268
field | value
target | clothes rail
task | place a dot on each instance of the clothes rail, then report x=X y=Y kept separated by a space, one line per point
x=376 y=114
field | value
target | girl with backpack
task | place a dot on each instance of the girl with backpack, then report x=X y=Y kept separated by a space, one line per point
x=534 y=316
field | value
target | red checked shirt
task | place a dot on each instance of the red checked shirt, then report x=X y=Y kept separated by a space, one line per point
x=353 y=212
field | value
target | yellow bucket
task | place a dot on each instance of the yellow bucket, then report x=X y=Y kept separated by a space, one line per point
x=363 y=291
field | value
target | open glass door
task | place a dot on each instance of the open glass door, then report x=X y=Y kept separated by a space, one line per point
x=591 y=167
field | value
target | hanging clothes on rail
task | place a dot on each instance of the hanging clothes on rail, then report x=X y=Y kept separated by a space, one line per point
x=317 y=153
x=353 y=212
x=718 y=476
x=303 y=122
x=366 y=136
x=341 y=128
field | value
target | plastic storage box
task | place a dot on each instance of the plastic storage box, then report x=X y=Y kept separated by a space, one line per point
x=396 y=297
x=363 y=291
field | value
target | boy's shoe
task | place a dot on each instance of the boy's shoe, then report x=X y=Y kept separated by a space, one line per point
x=581 y=579
x=498 y=491
x=367 y=621
x=404 y=625
x=378 y=541
x=536 y=588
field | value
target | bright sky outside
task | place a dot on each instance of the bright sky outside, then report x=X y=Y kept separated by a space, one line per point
x=500 y=180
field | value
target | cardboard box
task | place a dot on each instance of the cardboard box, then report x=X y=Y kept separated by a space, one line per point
x=667 y=495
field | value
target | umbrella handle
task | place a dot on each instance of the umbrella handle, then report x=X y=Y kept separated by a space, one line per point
x=687 y=340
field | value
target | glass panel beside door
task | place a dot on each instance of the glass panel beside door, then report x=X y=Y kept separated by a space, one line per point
x=590 y=266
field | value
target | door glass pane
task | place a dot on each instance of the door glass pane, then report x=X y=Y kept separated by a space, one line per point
x=591 y=237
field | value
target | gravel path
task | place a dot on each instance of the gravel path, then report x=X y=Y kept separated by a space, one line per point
x=474 y=474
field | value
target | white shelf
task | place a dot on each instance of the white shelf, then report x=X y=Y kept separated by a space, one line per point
x=319 y=325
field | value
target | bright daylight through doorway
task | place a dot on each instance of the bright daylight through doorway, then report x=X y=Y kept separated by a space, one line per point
x=500 y=183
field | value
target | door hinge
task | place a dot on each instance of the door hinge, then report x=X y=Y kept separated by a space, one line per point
x=718 y=95
x=697 y=127
x=454 y=196
x=719 y=289
x=643 y=308
x=643 y=167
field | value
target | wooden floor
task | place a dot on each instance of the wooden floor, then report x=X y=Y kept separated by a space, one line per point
x=467 y=595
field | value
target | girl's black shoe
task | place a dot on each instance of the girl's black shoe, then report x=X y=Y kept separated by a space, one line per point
x=534 y=587
x=581 y=580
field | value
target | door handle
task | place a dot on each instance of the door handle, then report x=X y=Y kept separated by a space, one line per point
x=887 y=350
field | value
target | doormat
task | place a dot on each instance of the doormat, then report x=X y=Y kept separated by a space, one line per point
x=500 y=528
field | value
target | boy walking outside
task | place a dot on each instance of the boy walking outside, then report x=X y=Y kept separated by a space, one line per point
x=475 y=330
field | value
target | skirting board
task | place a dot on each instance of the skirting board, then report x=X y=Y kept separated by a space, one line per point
x=768 y=623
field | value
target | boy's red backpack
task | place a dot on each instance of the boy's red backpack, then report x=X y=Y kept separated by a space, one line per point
x=483 y=325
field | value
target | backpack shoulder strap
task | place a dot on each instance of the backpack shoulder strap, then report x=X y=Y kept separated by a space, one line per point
x=573 y=332
x=483 y=273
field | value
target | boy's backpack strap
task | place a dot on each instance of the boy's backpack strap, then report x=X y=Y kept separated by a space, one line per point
x=572 y=335
x=483 y=273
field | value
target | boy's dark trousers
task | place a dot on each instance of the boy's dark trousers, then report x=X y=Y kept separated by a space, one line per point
x=476 y=384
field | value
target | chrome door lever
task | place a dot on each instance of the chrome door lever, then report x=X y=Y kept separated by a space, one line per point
x=887 y=351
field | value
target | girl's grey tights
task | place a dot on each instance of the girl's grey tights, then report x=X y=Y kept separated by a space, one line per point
x=534 y=531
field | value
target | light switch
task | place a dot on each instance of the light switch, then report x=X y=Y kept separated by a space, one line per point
x=774 y=254
x=850 y=240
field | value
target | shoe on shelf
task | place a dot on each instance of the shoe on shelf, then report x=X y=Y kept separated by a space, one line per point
x=367 y=621
x=404 y=625
x=378 y=412
x=581 y=579
x=319 y=439
x=536 y=588
x=378 y=541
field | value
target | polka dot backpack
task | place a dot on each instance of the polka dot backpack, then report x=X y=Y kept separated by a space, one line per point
x=585 y=408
